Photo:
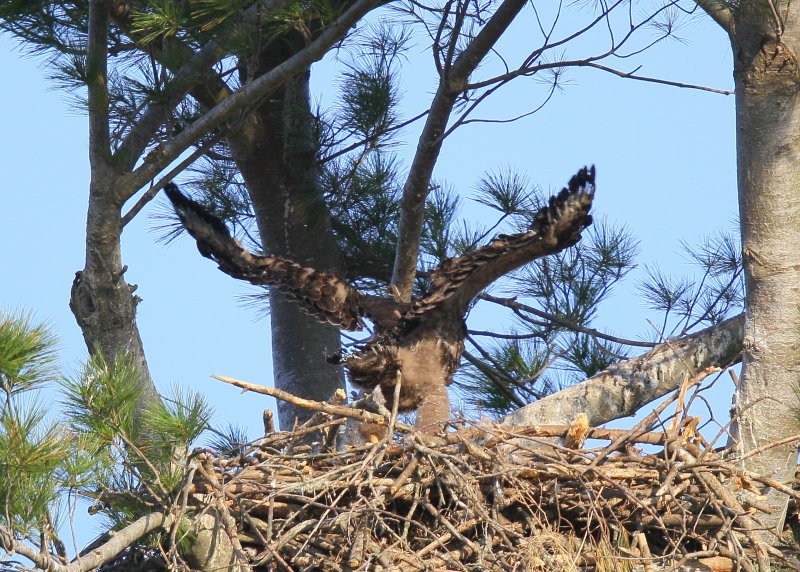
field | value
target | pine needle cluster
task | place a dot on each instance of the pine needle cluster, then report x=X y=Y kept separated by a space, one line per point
x=99 y=446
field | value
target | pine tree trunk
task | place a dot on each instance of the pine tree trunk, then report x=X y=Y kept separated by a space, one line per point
x=768 y=152
x=103 y=303
x=276 y=154
x=101 y=300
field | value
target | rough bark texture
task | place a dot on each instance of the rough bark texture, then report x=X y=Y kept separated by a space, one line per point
x=625 y=387
x=765 y=46
x=103 y=303
x=277 y=157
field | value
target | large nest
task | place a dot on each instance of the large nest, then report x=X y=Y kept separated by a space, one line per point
x=479 y=497
x=490 y=498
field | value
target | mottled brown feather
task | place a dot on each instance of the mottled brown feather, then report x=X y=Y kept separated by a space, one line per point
x=456 y=281
x=324 y=295
x=417 y=345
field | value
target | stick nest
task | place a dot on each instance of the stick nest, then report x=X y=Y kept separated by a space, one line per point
x=489 y=498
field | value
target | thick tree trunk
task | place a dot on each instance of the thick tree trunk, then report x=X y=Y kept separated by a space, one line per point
x=276 y=154
x=765 y=36
x=274 y=149
x=768 y=152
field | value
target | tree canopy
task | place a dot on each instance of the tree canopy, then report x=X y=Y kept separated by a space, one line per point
x=218 y=95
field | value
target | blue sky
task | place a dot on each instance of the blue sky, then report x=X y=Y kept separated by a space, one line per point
x=666 y=169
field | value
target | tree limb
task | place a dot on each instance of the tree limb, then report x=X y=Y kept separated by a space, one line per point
x=720 y=12
x=120 y=540
x=341 y=410
x=196 y=69
x=97 y=83
x=151 y=193
x=590 y=63
x=514 y=305
x=623 y=388
x=40 y=559
x=143 y=131
x=417 y=185
x=247 y=96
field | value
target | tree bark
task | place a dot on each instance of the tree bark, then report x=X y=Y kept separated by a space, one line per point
x=277 y=156
x=766 y=43
x=624 y=388
x=103 y=303
x=765 y=36
x=274 y=148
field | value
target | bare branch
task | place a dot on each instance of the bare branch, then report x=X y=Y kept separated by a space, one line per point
x=118 y=542
x=151 y=193
x=625 y=387
x=513 y=304
x=590 y=62
x=417 y=186
x=632 y=75
x=341 y=410
x=504 y=336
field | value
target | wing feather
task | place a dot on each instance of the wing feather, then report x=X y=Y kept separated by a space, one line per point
x=456 y=281
x=323 y=295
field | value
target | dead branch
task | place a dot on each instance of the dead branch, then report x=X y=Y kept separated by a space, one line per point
x=332 y=409
x=626 y=387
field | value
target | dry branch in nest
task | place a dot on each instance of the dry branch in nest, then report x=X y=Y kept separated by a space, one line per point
x=489 y=498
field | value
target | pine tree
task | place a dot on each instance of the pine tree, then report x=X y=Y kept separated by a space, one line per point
x=216 y=93
x=227 y=82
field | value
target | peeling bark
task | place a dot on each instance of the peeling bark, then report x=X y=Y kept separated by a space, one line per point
x=622 y=389
x=765 y=36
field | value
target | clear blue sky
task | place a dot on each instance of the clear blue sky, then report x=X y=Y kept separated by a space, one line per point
x=666 y=169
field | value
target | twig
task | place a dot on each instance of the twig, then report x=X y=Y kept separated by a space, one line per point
x=512 y=303
x=340 y=410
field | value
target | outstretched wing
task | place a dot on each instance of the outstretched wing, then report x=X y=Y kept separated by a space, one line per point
x=456 y=281
x=324 y=295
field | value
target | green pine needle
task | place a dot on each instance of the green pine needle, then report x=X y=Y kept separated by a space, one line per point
x=27 y=353
x=103 y=398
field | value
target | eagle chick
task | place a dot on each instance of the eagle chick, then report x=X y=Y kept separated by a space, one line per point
x=417 y=345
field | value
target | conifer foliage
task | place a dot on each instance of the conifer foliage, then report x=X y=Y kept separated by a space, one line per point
x=215 y=94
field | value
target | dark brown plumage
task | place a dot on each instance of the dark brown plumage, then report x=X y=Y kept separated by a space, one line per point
x=417 y=344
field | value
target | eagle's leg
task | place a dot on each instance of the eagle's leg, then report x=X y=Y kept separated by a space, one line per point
x=434 y=410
